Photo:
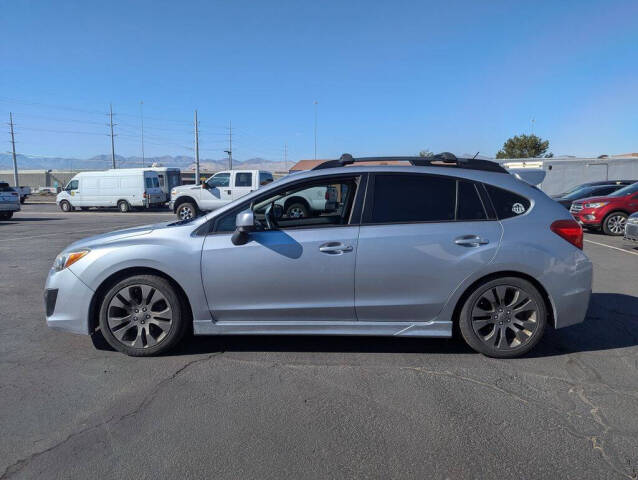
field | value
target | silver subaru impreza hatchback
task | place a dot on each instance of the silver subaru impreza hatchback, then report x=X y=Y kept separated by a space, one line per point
x=415 y=249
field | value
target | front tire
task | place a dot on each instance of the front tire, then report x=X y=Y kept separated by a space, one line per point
x=123 y=206
x=503 y=318
x=6 y=215
x=65 y=206
x=297 y=210
x=614 y=223
x=142 y=316
x=186 y=211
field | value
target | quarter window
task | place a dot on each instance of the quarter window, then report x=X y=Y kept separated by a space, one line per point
x=507 y=204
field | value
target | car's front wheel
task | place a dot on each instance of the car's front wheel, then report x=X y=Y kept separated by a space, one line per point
x=614 y=223
x=503 y=318
x=186 y=211
x=65 y=206
x=142 y=316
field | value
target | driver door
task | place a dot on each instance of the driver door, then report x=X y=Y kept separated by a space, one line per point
x=218 y=193
x=299 y=270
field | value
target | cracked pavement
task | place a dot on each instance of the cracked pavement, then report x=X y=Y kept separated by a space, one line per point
x=304 y=407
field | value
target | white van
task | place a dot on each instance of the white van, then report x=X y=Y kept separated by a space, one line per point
x=124 y=188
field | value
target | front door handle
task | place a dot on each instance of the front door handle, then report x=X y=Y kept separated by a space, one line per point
x=335 y=248
x=471 y=241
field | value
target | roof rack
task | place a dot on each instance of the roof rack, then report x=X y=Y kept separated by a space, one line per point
x=444 y=159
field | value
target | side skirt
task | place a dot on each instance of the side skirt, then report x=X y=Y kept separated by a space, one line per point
x=383 y=329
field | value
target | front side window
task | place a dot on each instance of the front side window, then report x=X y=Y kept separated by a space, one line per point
x=73 y=185
x=265 y=178
x=243 y=179
x=219 y=180
x=321 y=204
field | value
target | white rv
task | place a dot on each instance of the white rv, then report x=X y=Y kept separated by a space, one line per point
x=124 y=188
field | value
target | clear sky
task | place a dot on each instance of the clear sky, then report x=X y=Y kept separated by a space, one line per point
x=390 y=77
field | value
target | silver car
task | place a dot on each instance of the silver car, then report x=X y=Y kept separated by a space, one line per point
x=411 y=250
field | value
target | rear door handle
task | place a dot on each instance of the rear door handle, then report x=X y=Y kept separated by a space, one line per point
x=335 y=248
x=471 y=241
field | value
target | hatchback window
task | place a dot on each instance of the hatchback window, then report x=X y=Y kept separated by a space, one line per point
x=413 y=198
x=243 y=179
x=507 y=204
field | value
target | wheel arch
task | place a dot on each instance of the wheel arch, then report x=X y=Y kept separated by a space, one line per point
x=549 y=305
x=184 y=199
x=297 y=199
x=94 y=306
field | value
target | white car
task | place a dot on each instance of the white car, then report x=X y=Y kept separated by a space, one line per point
x=124 y=188
x=187 y=201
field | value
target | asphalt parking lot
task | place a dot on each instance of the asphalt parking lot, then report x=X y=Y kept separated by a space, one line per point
x=307 y=407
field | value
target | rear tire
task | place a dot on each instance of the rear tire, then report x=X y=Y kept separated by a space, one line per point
x=123 y=206
x=186 y=211
x=503 y=318
x=65 y=206
x=614 y=223
x=6 y=215
x=142 y=316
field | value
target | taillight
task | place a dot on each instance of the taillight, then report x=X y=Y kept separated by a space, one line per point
x=145 y=195
x=570 y=230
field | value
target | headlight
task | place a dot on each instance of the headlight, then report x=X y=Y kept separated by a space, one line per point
x=595 y=205
x=65 y=260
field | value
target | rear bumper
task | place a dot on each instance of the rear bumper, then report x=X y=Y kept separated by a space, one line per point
x=67 y=300
x=9 y=207
x=569 y=294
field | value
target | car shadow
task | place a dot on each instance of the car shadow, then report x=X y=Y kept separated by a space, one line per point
x=611 y=323
x=33 y=219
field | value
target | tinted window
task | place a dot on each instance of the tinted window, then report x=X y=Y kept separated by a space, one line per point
x=469 y=206
x=149 y=182
x=264 y=178
x=606 y=190
x=4 y=187
x=413 y=198
x=243 y=179
x=219 y=180
x=625 y=190
x=73 y=185
x=507 y=204
x=161 y=180
x=155 y=182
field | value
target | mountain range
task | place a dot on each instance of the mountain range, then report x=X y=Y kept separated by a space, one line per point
x=102 y=162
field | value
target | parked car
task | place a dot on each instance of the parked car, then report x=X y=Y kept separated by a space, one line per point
x=189 y=201
x=609 y=212
x=631 y=229
x=9 y=201
x=24 y=192
x=123 y=188
x=410 y=251
x=584 y=192
x=594 y=184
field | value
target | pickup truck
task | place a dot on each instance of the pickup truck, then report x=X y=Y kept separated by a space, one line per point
x=9 y=201
x=188 y=201
x=24 y=192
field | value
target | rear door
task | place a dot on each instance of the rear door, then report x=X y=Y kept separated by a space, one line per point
x=243 y=184
x=421 y=236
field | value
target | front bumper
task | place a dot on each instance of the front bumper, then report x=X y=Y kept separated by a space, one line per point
x=588 y=217
x=69 y=310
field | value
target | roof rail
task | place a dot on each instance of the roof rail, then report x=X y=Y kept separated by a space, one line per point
x=444 y=159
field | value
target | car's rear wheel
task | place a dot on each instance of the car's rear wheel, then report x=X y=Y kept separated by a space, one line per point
x=614 y=223
x=65 y=206
x=142 y=316
x=186 y=211
x=123 y=206
x=503 y=318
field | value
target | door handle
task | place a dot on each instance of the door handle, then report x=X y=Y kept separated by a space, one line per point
x=471 y=241
x=228 y=192
x=335 y=248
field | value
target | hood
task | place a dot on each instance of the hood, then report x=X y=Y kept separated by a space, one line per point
x=186 y=188
x=597 y=199
x=110 y=237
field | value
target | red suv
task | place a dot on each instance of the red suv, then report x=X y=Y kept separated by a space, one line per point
x=610 y=212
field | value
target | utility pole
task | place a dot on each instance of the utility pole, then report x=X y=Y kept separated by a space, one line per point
x=13 y=148
x=230 y=145
x=196 y=150
x=112 y=141
x=316 y=102
x=142 y=119
x=286 y=157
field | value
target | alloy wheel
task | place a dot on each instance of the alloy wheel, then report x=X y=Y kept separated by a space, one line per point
x=139 y=316
x=616 y=224
x=296 y=212
x=505 y=317
x=185 y=213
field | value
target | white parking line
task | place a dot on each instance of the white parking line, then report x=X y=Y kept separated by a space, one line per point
x=610 y=246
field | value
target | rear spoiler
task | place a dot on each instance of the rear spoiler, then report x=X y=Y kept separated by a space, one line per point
x=533 y=176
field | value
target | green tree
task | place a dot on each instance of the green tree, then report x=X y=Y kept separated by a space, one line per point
x=524 y=146
x=425 y=153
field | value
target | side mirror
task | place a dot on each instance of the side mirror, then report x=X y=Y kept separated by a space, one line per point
x=245 y=223
x=205 y=186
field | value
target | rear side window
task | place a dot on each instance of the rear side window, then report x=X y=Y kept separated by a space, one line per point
x=149 y=182
x=4 y=187
x=507 y=204
x=243 y=179
x=413 y=198
x=470 y=206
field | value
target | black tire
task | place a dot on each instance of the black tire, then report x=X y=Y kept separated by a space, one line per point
x=511 y=326
x=123 y=206
x=6 y=215
x=296 y=210
x=186 y=211
x=65 y=206
x=23 y=199
x=614 y=223
x=137 y=328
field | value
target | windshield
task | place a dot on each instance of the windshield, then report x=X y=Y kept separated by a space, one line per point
x=629 y=189
x=578 y=193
